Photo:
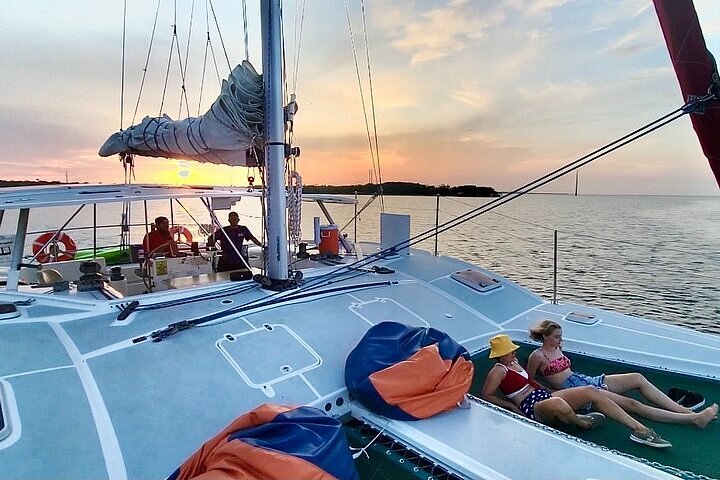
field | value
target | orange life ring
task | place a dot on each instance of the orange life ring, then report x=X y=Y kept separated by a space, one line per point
x=62 y=247
x=180 y=230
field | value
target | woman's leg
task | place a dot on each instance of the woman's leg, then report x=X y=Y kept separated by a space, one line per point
x=699 y=419
x=555 y=410
x=624 y=382
x=577 y=397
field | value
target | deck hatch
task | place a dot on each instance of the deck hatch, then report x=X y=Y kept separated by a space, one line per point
x=476 y=280
x=268 y=355
x=583 y=318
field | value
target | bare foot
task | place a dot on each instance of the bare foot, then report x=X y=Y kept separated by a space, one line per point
x=706 y=416
x=591 y=420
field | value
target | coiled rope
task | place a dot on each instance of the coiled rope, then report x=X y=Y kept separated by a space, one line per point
x=295 y=206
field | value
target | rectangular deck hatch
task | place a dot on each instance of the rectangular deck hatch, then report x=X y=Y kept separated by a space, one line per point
x=476 y=280
x=268 y=354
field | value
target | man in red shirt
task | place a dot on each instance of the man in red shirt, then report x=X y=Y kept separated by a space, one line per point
x=160 y=241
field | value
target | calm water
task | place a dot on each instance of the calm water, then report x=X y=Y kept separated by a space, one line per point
x=653 y=256
x=657 y=257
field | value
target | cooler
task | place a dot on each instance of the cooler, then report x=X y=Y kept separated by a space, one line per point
x=329 y=239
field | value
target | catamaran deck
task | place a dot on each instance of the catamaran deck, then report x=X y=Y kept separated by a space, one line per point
x=100 y=391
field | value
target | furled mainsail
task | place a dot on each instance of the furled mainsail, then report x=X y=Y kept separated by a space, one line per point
x=232 y=125
x=696 y=71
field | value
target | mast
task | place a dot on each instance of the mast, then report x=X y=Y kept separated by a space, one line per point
x=274 y=125
x=577 y=173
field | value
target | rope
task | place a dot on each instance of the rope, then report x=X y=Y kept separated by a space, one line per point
x=295 y=207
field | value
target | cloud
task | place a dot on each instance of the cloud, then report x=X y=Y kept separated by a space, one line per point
x=444 y=31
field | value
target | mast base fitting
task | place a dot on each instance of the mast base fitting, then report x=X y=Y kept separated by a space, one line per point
x=276 y=285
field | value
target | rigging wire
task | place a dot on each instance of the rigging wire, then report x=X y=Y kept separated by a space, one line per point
x=530 y=186
x=127 y=175
x=372 y=106
x=367 y=204
x=169 y=62
x=325 y=279
x=205 y=59
x=222 y=42
x=298 y=42
x=202 y=227
x=360 y=87
x=122 y=67
x=147 y=62
x=187 y=56
x=183 y=90
x=210 y=44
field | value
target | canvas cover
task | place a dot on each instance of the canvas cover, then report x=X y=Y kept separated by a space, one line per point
x=231 y=126
x=408 y=373
x=274 y=442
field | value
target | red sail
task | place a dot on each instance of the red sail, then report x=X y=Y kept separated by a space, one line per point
x=694 y=68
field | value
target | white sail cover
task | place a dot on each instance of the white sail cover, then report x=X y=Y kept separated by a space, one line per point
x=232 y=125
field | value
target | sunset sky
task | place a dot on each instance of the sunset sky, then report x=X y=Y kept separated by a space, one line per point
x=466 y=91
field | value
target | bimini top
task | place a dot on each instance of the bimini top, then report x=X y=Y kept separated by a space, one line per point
x=13 y=198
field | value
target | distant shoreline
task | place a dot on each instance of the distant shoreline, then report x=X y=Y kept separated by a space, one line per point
x=26 y=183
x=389 y=188
x=405 y=188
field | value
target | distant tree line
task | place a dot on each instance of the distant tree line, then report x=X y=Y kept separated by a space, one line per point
x=22 y=183
x=405 y=188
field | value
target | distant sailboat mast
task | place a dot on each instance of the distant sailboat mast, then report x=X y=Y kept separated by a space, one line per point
x=274 y=127
x=577 y=173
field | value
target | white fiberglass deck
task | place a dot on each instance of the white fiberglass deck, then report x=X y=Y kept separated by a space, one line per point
x=94 y=395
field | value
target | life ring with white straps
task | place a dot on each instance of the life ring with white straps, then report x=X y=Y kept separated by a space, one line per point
x=180 y=230
x=61 y=248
